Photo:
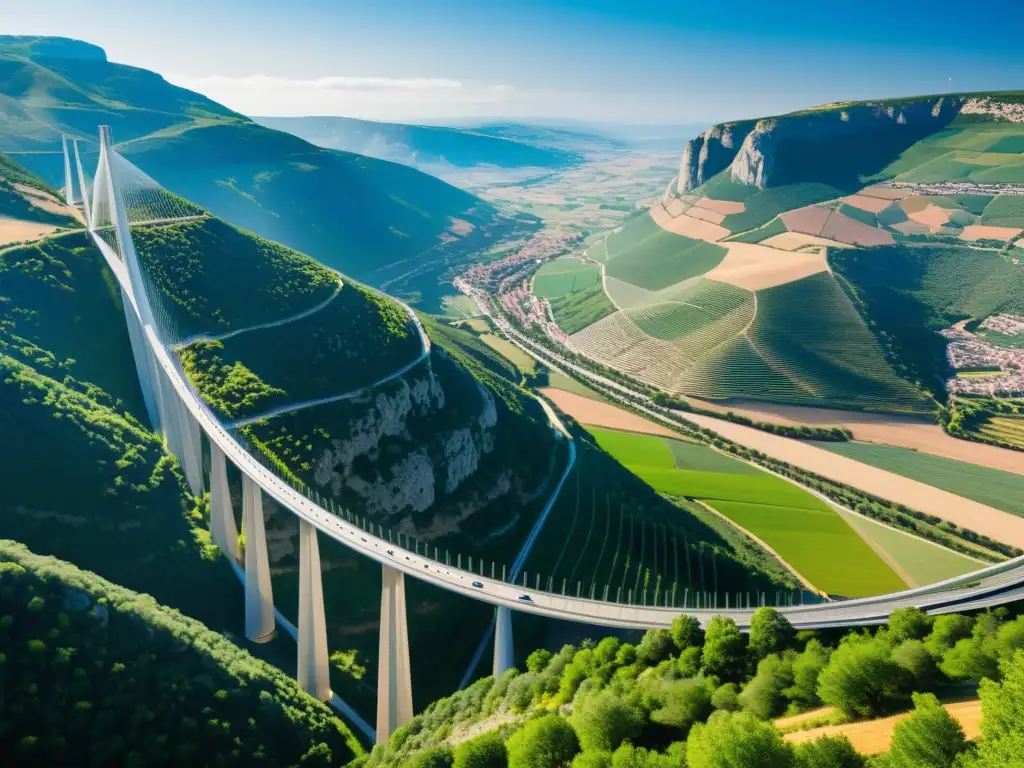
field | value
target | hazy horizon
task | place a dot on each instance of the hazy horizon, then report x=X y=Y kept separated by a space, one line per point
x=604 y=61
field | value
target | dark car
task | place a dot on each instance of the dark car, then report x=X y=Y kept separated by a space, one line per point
x=526 y=598
x=478 y=585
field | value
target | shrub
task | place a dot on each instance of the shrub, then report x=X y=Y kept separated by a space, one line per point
x=828 y=752
x=736 y=740
x=487 y=751
x=723 y=649
x=686 y=632
x=929 y=737
x=770 y=632
x=602 y=721
x=861 y=678
x=548 y=742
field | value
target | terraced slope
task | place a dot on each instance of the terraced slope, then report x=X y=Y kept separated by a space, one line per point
x=800 y=342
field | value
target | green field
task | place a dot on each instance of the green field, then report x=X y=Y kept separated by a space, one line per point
x=576 y=311
x=644 y=254
x=819 y=544
x=564 y=276
x=1002 y=490
x=1004 y=211
x=609 y=528
x=984 y=152
x=633 y=449
x=920 y=561
x=810 y=332
x=510 y=352
x=558 y=380
x=1005 y=429
x=802 y=529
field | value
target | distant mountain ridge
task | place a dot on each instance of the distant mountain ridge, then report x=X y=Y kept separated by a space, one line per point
x=423 y=146
x=355 y=213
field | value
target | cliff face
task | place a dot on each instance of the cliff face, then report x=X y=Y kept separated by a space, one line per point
x=844 y=129
x=710 y=153
x=780 y=150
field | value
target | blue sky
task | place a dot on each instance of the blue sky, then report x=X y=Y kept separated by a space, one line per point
x=645 y=61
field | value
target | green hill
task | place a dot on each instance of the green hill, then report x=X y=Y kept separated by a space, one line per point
x=360 y=215
x=909 y=206
x=89 y=667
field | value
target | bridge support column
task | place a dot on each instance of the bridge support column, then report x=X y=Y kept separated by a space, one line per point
x=82 y=188
x=313 y=670
x=69 y=184
x=259 y=597
x=503 y=656
x=394 y=681
x=143 y=366
x=223 y=530
x=193 y=447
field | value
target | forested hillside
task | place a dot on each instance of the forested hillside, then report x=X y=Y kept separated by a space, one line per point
x=86 y=480
x=88 y=667
x=705 y=699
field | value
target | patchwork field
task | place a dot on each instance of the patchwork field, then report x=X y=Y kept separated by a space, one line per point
x=802 y=529
x=718 y=341
x=645 y=255
x=982 y=152
x=1002 y=490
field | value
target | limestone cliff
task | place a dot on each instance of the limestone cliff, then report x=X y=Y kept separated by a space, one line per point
x=422 y=454
x=764 y=153
x=708 y=154
x=844 y=127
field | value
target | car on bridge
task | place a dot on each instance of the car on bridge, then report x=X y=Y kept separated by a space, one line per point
x=526 y=598
x=478 y=585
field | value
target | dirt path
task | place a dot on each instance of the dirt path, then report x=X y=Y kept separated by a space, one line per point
x=900 y=431
x=875 y=736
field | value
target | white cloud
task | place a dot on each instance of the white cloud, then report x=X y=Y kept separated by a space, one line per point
x=374 y=97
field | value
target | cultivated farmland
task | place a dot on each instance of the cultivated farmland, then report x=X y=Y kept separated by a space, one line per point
x=564 y=276
x=916 y=561
x=802 y=529
x=644 y=254
x=611 y=536
x=1002 y=490
x=819 y=544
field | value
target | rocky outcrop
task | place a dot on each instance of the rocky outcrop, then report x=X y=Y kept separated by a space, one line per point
x=845 y=128
x=391 y=455
x=710 y=153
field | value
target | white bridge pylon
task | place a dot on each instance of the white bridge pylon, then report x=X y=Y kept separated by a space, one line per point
x=122 y=195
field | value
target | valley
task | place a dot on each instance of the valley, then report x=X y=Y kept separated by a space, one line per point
x=258 y=371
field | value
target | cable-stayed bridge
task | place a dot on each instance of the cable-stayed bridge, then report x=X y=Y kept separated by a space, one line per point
x=120 y=196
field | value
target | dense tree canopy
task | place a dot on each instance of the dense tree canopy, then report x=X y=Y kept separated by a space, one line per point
x=87 y=667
